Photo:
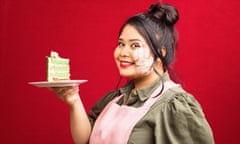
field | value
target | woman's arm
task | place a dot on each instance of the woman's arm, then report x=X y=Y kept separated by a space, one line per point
x=183 y=121
x=80 y=125
x=79 y=122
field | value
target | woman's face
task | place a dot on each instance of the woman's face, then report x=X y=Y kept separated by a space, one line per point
x=133 y=56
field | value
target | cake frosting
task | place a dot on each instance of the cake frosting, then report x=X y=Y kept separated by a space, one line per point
x=58 y=68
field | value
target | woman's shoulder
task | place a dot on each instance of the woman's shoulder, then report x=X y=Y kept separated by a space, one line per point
x=107 y=98
x=177 y=100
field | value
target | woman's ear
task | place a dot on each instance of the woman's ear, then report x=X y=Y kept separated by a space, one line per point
x=159 y=62
x=163 y=51
x=159 y=65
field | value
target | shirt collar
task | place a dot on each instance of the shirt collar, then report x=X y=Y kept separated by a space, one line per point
x=143 y=93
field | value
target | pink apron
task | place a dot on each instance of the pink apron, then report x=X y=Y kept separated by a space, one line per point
x=115 y=123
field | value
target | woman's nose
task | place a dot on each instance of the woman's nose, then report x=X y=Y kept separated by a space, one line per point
x=125 y=51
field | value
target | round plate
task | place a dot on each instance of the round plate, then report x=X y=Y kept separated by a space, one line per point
x=57 y=84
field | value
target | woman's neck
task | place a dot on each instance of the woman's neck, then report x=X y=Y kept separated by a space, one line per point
x=146 y=80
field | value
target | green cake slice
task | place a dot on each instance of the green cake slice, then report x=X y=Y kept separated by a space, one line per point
x=58 y=68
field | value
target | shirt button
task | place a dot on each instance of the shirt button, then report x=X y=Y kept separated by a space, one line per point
x=135 y=92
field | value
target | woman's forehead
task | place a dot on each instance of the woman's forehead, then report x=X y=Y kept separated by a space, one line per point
x=130 y=33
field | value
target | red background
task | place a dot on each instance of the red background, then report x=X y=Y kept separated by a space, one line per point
x=86 y=32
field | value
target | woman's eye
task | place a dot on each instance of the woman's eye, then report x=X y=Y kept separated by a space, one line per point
x=136 y=45
x=120 y=44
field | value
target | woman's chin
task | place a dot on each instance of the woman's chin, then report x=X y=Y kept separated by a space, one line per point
x=126 y=74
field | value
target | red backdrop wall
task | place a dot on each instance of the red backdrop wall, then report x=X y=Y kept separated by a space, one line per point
x=86 y=32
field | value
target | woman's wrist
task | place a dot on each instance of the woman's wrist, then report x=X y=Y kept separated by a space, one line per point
x=75 y=103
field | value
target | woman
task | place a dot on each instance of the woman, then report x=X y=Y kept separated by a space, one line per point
x=150 y=108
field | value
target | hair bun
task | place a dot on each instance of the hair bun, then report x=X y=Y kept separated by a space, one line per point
x=165 y=13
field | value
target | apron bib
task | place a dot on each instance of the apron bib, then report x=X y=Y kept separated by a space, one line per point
x=115 y=123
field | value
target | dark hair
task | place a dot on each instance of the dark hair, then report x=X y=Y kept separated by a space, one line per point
x=157 y=27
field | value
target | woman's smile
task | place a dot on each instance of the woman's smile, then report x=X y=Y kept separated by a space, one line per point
x=126 y=64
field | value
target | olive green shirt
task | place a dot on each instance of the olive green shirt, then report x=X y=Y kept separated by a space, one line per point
x=175 y=118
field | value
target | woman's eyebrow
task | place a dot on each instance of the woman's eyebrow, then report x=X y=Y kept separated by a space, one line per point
x=136 y=40
x=131 y=40
x=120 y=39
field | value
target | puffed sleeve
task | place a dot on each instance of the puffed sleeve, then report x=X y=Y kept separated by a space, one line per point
x=182 y=121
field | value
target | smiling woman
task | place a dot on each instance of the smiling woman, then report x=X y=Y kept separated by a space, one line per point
x=150 y=108
x=133 y=56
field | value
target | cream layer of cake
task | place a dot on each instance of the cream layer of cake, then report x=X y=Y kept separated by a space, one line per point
x=58 y=68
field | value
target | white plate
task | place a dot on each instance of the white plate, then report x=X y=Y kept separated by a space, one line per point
x=57 y=84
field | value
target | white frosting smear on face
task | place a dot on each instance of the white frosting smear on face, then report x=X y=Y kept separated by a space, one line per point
x=143 y=60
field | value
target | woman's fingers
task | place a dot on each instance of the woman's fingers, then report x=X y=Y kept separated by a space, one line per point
x=67 y=94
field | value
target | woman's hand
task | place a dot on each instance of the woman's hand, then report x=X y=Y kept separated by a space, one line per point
x=69 y=95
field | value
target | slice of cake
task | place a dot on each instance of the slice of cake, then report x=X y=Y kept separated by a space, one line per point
x=58 y=68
